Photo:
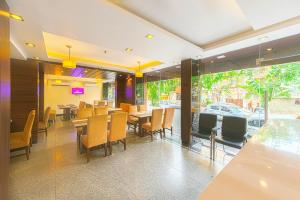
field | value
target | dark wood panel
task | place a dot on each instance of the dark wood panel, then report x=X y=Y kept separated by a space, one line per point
x=41 y=91
x=186 y=101
x=4 y=102
x=125 y=89
x=24 y=94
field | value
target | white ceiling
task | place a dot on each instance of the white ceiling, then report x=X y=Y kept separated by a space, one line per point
x=181 y=29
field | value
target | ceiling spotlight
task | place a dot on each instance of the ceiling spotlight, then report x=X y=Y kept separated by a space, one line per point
x=221 y=56
x=16 y=17
x=128 y=50
x=149 y=36
x=29 y=44
x=269 y=49
x=36 y=58
x=263 y=39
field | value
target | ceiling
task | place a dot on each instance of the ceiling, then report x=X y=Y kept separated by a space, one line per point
x=99 y=31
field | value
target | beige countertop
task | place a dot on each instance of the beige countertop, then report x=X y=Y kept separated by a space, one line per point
x=268 y=167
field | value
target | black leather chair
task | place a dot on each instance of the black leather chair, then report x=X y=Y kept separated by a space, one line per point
x=207 y=122
x=233 y=133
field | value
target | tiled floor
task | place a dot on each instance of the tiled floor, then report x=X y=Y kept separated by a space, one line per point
x=146 y=170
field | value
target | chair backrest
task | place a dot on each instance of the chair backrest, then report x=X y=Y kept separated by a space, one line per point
x=47 y=115
x=28 y=126
x=101 y=103
x=97 y=130
x=118 y=126
x=88 y=105
x=143 y=108
x=207 y=122
x=110 y=104
x=168 y=118
x=125 y=106
x=132 y=109
x=101 y=110
x=81 y=105
x=156 y=120
x=84 y=113
x=234 y=128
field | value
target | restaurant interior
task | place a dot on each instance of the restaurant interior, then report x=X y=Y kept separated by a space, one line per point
x=132 y=99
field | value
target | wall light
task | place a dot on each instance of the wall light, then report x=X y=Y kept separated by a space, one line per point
x=269 y=49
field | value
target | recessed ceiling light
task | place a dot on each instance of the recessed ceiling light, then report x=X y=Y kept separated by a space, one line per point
x=149 y=36
x=36 y=58
x=177 y=67
x=269 y=49
x=128 y=50
x=29 y=44
x=16 y=17
x=221 y=56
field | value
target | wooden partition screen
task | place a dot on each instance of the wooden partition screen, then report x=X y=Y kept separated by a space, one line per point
x=4 y=102
x=24 y=94
x=125 y=89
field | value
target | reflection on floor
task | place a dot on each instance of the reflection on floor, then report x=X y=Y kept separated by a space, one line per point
x=146 y=170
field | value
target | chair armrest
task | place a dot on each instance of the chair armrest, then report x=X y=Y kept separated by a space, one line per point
x=215 y=130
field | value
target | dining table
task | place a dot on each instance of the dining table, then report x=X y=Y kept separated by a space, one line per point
x=142 y=117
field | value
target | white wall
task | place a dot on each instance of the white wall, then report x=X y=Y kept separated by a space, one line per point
x=55 y=95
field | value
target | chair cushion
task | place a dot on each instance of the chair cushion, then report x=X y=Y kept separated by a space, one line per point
x=132 y=120
x=17 y=140
x=201 y=135
x=229 y=142
x=147 y=126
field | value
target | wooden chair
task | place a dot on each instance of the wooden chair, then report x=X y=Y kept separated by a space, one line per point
x=96 y=134
x=101 y=110
x=101 y=103
x=43 y=125
x=132 y=121
x=156 y=123
x=117 y=129
x=110 y=104
x=143 y=108
x=22 y=140
x=125 y=106
x=81 y=105
x=168 y=120
x=52 y=116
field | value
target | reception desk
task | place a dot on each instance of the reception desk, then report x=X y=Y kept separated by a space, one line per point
x=268 y=167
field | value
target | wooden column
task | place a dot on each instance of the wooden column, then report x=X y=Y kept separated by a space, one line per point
x=24 y=94
x=41 y=91
x=125 y=89
x=4 y=101
x=186 y=101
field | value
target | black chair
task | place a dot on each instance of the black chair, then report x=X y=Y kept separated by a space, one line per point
x=233 y=133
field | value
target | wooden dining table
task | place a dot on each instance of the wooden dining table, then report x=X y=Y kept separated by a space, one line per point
x=142 y=118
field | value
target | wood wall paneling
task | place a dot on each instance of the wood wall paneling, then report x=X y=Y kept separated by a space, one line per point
x=41 y=91
x=4 y=102
x=186 y=101
x=24 y=94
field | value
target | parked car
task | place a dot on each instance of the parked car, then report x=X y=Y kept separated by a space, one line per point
x=222 y=109
x=257 y=119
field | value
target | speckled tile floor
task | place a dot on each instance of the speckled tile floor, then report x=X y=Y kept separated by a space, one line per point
x=146 y=170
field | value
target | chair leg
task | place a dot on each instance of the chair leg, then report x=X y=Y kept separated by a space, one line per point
x=171 y=130
x=88 y=155
x=27 y=152
x=151 y=135
x=46 y=132
x=160 y=133
x=125 y=144
x=164 y=130
x=105 y=149
x=110 y=148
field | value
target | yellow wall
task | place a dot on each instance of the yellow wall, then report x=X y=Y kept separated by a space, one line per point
x=55 y=95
